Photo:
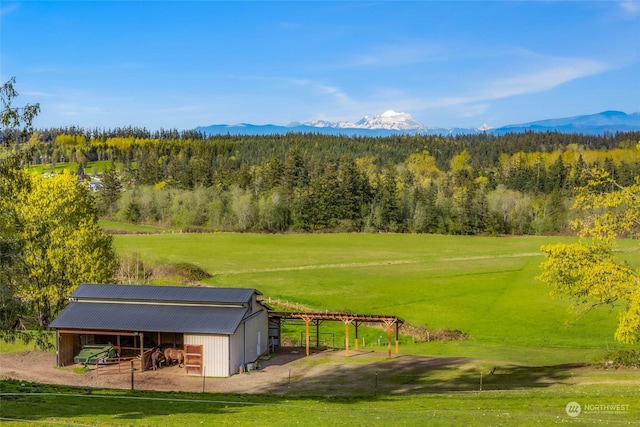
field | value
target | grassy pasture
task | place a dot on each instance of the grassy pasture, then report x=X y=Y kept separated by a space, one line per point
x=92 y=167
x=60 y=405
x=483 y=286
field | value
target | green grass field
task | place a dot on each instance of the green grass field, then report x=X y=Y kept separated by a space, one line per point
x=34 y=404
x=92 y=167
x=483 y=286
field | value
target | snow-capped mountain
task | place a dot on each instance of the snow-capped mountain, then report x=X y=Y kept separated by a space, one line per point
x=389 y=120
x=393 y=123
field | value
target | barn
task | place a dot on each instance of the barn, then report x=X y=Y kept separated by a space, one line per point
x=220 y=329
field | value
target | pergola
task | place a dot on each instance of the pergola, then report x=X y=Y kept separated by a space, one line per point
x=347 y=319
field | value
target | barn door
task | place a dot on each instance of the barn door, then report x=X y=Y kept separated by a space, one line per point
x=193 y=359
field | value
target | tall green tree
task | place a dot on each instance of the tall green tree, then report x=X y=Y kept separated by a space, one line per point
x=16 y=125
x=50 y=240
x=63 y=243
x=590 y=271
x=13 y=180
x=386 y=211
x=16 y=121
x=109 y=192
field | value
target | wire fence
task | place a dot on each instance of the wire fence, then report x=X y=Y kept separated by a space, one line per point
x=354 y=379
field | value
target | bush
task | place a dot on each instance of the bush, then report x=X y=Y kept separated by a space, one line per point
x=620 y=358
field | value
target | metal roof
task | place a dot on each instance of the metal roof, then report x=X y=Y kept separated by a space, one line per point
x=150 y=317
x=177 y=294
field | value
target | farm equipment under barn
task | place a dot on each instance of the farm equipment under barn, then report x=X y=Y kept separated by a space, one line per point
x=96 y=354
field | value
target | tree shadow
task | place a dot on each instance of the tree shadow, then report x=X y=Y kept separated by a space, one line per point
x=328 y=376
x=18 y=399
x=307 y=377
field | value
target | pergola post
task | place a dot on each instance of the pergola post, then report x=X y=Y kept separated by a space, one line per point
x=389 y=339
x=306 y=336
x=356 y=340
x=307 y=319
x=345 y=318
x=346 y=337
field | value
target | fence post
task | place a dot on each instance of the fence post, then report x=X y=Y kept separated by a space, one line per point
x=376 y=385
x=132 y=375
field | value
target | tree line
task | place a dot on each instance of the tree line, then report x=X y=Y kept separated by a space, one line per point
x=474 y=184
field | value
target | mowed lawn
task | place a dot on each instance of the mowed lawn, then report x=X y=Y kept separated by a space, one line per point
x=483 y=286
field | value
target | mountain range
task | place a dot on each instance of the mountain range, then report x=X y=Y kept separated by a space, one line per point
x=394 y=123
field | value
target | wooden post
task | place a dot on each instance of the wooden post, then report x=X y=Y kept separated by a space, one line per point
x=389 y=339
x=376 y=386
x=346 y=338
x=58 y=364
x=317 y=333
x=356 y=340
x=142 y=352
x=397 y=341
x=132 y=369
x=306 y=324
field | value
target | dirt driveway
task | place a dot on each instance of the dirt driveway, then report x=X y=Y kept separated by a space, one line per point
x=329 y=371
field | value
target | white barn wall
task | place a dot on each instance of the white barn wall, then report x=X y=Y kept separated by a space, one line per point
x=257 y=325
x=215 y=353
x=236 y=350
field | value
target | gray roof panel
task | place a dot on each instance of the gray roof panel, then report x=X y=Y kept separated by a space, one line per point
x=164 y=293
x=150 y=317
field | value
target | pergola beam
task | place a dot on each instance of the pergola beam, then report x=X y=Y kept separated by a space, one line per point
x=345 y=318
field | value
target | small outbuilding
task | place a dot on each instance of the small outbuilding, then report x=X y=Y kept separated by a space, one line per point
x=220 y=329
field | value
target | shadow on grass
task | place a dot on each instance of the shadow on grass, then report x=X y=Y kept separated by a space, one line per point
x=377 y=375
x=364 y=376
x=19 y=401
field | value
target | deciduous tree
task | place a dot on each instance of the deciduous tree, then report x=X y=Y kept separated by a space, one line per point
x=590 y=271
x=63 y=243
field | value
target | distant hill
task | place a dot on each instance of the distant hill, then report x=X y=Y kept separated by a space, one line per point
x=593 y=124
x=392 y=123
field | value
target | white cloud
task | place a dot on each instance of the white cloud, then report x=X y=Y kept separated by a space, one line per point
x=333 y=91
x=631 y=8
x=553 y=73
x=541 y=80
x=537 y=75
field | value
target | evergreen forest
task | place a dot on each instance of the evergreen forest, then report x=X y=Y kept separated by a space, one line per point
x=473 y=184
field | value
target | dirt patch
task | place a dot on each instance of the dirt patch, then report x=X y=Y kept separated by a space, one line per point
x=288 y=369
x=323 y=373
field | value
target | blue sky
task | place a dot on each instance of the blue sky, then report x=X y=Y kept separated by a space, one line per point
x=164 y=64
